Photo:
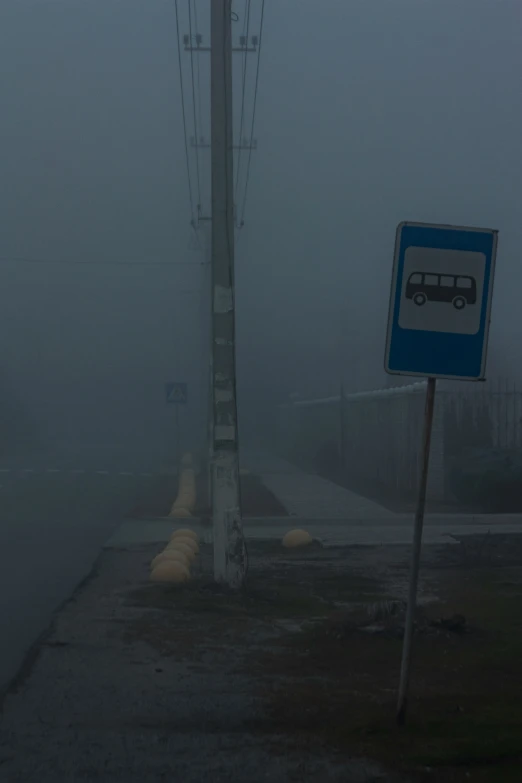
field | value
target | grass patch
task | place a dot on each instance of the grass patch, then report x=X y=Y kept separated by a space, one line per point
x=465 y=713
x=157 y=498
x=299 y=628
x=296 y=589
x=280 y=599
x=256 y=499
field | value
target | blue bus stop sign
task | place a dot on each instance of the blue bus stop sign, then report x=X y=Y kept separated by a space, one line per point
x=440 y=301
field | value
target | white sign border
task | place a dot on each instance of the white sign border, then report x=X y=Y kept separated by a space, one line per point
x=391 y=303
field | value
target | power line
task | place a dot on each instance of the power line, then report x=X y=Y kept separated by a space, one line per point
x=111 y=262
x=246 y=28
x=184 y=118
x=241 y=222
x=196 y=135
x=198 y=67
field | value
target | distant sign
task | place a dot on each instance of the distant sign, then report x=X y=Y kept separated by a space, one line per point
x=440 y=302
x=176 y=393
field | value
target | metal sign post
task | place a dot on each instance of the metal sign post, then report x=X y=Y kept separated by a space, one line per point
x=178 y=438
x=438 y=326
x=176 y=394
x=415 y=558
x=342 y=427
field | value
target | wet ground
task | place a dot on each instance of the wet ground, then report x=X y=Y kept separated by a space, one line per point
x=293 y=678
x=320 y=631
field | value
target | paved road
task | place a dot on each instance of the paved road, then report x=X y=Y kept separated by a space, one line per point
x=57 y=510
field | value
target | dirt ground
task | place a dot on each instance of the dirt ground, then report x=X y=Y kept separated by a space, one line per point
x=256 y=499
x=320 y=630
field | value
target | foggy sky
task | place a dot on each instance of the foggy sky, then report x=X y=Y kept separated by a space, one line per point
x=373 y=113
x=368 y=113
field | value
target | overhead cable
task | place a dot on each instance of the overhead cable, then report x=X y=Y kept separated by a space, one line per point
x=246 y=29
x=194 y=110
x=187 y=159
x=242 y=220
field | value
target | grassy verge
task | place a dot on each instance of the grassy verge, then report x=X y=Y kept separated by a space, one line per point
x=256 y=499
x=465 y=712
x=157 y=499
x=321 y=634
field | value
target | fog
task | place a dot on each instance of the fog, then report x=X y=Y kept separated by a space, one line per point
x=367 y=114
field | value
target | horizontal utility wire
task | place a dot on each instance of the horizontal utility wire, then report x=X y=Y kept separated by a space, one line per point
x=74 y=262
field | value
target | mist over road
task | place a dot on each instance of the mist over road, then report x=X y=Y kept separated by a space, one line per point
x=57 y=510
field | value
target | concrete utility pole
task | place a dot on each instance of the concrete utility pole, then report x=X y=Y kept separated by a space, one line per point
x=210 y=372
x=229 y=543
x=205 y=224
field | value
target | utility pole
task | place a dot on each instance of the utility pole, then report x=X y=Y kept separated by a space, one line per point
x=245 y=144
x=218 y=276
x=209 y=379
x=229 y=543
x=205 y=223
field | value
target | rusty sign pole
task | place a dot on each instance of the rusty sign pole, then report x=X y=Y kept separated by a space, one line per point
x=415 y=559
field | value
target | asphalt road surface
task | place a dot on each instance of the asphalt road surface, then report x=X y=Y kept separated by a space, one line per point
x=56 y=511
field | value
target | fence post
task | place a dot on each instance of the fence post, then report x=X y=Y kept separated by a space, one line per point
x=342 y=427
